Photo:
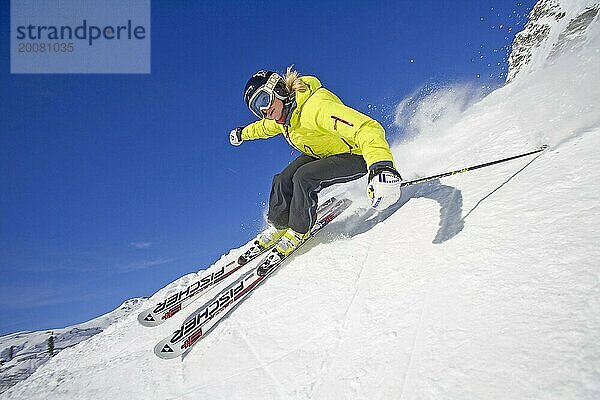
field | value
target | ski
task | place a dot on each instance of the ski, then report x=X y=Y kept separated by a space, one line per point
x=175 y=302
x=205 y=318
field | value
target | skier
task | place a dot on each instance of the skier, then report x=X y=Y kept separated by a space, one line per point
x=338 y=144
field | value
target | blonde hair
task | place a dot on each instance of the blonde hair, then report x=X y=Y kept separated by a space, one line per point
x=292 y=80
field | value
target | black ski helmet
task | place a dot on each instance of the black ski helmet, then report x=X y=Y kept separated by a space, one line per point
x=259 y=80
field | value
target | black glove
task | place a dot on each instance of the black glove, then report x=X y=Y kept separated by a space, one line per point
x=235 y=136
x=382 y=166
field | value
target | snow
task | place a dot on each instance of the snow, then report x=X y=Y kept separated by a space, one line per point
x=21 y=353
x=483 y=285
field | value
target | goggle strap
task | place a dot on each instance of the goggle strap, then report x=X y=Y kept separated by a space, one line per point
x=272 y=82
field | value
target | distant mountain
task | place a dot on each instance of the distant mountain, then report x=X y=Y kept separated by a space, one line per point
x=22 y=353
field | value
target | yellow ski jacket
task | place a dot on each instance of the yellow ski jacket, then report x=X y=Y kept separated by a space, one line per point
x=321 y=126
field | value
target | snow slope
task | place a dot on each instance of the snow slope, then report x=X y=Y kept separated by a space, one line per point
x=485 y=285
x=22 y=353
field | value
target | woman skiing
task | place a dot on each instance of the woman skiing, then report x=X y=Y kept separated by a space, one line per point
x=338 y=144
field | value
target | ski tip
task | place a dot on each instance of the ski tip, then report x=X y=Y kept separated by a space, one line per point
x=330 y=200
x=167 y=351
x=148 y=319
x=342 y=204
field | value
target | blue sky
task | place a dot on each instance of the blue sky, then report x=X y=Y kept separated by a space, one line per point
x=115 y=185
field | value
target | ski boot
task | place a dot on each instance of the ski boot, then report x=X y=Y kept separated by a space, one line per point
x=263 y=242
x=290 y=241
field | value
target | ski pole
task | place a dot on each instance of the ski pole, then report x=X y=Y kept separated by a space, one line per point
x=459 y=171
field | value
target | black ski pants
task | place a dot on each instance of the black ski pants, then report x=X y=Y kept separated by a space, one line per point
x=293 y=200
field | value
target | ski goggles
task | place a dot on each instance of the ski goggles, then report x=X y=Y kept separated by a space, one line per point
x=263 y=98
